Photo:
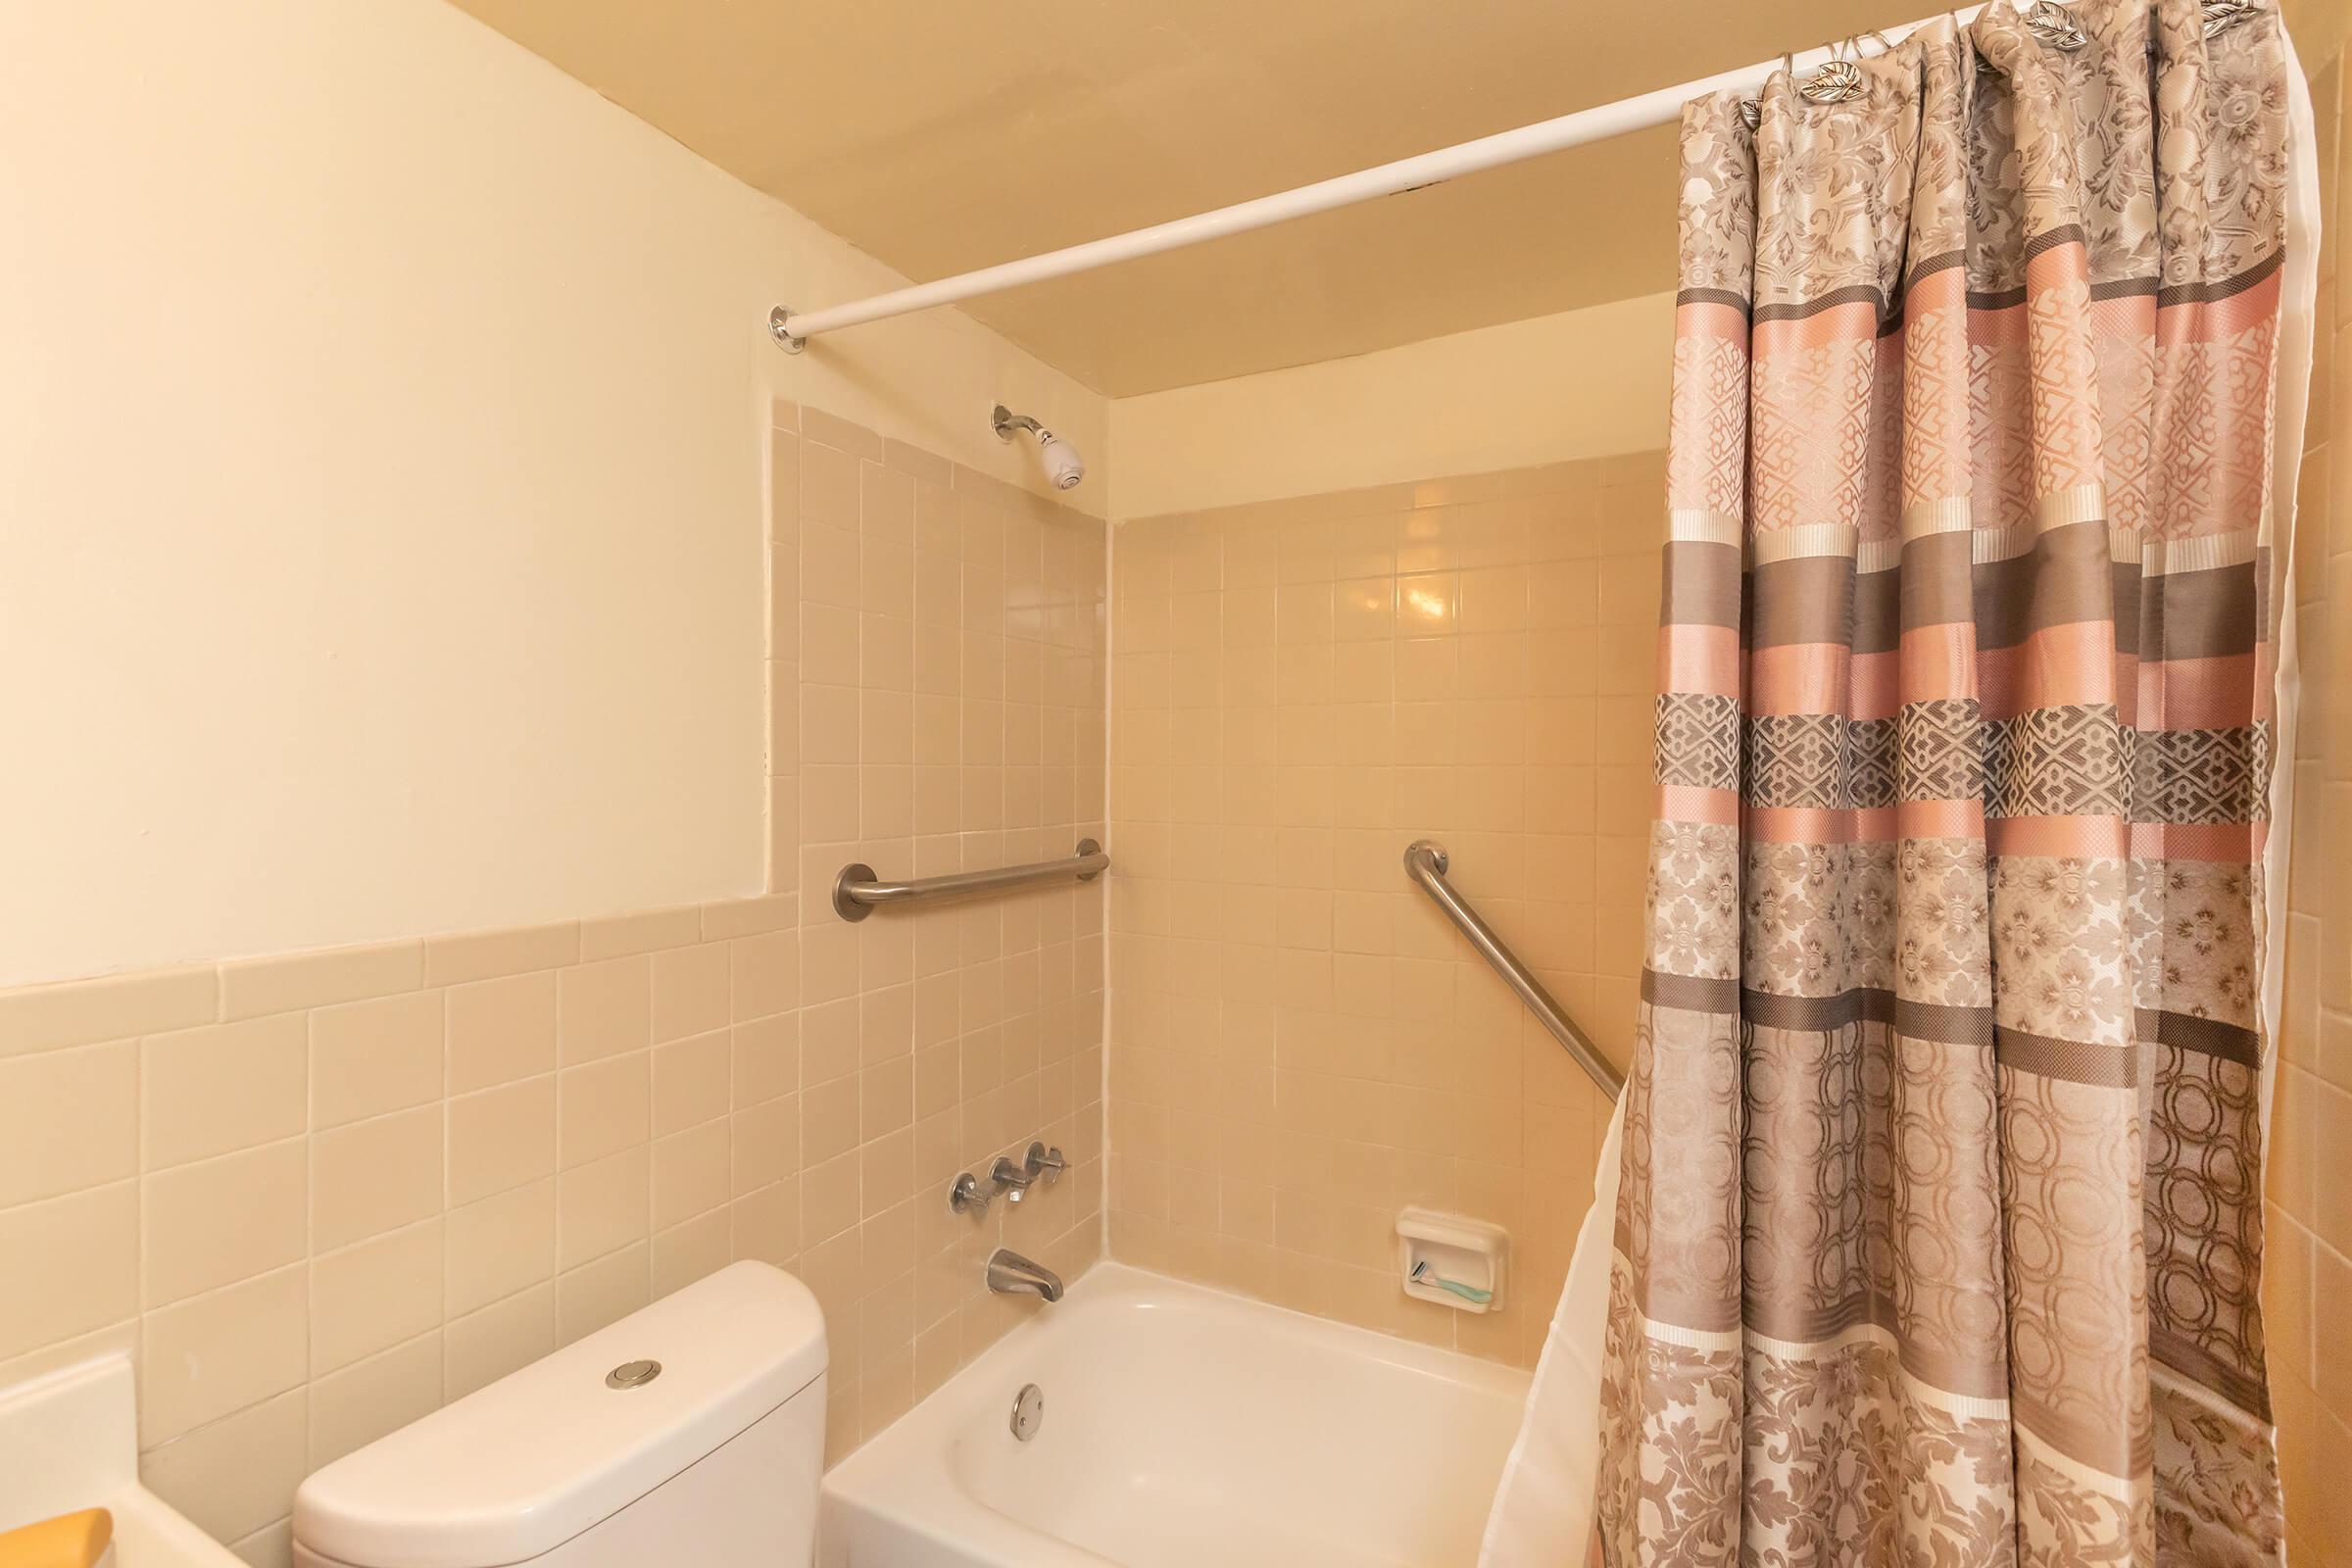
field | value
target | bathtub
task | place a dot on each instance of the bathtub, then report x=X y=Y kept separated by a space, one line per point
x=1182 y=1427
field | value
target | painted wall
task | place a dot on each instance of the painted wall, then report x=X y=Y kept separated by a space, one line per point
x=380 y=528
x=1581 y=384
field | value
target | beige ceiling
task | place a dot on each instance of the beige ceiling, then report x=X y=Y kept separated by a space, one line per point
x=942 y=136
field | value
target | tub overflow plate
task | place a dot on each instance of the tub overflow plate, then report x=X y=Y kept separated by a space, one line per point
x=1028 y=1411
x=632 y=1374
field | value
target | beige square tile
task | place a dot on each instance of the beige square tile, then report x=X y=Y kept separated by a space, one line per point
x=219 y=1353
x=253 y=987
x=501 y=1138
x=690 y=1173
x=829 y=804
x=690 y=991
x=687 y=1252
x=831 y=1202
x=764 y=974
x=828 y=1121
x=604 y=1206
x=766 y=1145
x=221 y=1088
x=828 y=729
x=352 y=1408
x=223 y=1220
x=71 y=1120
x=691 y=1080
x=371 y=1296
x=236 y=1476
x=369 y=1058
x=83 y=1250
x=375 y=1176
x=886 y=577
x=828 y=638
x=83 y=1012
x=603 y=1292
x=603 y=1009
x=602 y=1108
x=765 y=1224
x=499 y=1245
x=1495 y=598
x=501 y=1030
x=886 y=1098
x=766 y=1059
x=480 y=1347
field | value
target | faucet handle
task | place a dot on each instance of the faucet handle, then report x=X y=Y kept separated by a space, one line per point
x=966 y=1198
x=1044 y=1162
x=1012 y=1180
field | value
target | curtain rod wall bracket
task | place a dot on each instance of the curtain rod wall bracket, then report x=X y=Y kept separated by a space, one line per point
x=782 y=333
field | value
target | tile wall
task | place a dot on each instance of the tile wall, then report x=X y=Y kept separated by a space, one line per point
x=937 y=704
x=2308 y=1268
x=1299 y=1044
x=319 y=1194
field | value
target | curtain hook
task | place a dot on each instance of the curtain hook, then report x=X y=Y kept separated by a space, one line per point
x=2055 y=27
x=1837 y=81
x=2223 y=14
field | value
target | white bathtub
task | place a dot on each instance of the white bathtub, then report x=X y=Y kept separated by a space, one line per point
x=1184 y=1426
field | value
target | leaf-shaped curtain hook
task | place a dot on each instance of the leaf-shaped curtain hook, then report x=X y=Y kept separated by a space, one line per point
x=1837 y=82
x=2053 y=24
x=2223 y=14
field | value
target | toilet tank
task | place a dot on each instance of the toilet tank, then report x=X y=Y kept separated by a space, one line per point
x=590 y=1459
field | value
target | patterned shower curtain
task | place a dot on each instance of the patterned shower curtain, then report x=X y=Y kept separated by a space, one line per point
x=1938 y=1234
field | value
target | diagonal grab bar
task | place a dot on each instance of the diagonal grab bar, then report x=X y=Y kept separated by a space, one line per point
x=856 y=891
x=1425 y=862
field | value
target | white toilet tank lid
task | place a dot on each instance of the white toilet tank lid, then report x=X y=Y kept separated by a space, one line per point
x=519 y=1467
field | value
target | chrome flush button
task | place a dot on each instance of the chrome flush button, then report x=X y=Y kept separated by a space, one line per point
x=632 y=1374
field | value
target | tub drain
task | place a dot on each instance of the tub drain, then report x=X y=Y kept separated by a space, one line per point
x=1028 y=1411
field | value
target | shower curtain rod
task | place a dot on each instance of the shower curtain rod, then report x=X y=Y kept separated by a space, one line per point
x=792 y=328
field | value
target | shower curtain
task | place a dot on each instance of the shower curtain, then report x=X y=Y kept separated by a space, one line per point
x=1937 y=1233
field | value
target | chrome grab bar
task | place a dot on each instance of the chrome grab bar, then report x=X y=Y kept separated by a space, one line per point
x=856 y=891
x=1426 y=862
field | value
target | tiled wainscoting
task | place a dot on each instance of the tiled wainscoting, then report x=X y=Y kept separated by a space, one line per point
x=1301 y=1045
x=319 y=1194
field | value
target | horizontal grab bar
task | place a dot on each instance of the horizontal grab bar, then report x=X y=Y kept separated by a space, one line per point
x=856 y=891
x=1426 y=862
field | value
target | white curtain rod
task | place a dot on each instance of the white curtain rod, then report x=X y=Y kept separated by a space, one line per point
x=793 y=328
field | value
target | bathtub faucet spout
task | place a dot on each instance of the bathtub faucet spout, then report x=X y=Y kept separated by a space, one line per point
x=1010 y=1274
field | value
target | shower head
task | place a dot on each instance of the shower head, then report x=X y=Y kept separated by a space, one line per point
x=1063 y=464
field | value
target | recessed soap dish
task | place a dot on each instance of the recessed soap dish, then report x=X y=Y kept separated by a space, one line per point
x=1450 y=1259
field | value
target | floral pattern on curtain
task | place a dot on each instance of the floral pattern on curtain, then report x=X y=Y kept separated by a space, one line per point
x=1940 y=1231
